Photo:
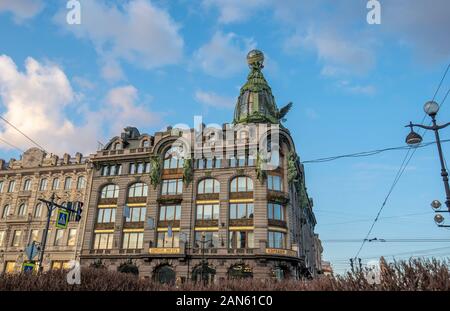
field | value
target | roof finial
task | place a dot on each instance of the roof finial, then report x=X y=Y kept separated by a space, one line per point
x=255 y=59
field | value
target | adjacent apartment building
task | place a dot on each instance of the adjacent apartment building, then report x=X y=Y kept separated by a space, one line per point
x=182 y=204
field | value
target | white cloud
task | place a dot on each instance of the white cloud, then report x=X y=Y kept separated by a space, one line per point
x=137 y=31
x=21 y=9
x=111 y=70
x=235 y=10
x=42 y=103
x=224 y=55
x=214 y=100
x=356 y=89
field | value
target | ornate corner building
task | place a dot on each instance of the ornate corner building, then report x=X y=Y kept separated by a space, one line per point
x=205 y=203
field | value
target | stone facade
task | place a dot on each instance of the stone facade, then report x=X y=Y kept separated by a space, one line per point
x=22 y=217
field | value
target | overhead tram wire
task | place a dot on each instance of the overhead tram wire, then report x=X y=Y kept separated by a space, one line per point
x=11 y=145
x=402 y=168
x=371 y=153
x=25 y=135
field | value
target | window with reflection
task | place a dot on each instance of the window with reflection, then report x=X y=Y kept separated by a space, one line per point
x=1 y=186
x=55 y=184
x=275 y=211
x=17 y=238
x=68 y=183
x=11 y=186
x=138 y=190
x=111 y=170
x=241 y=210
x=22 y=209
x=211 y=239
x=27 y=185
x=106 y=215
x=207 y=211
x=103 y=241
x=6 y=210
x=133 y=240
x=169 y=212
x=43 y=184
x=173 y=158
x=38 y=210
x=208 y=185
x=241 y=184
x=241 y=239
x=275 y=182
x=110 y=191
x=137 y=214
x=168 y=239
x=172 y=186
x=276 y=239
x=81 y=182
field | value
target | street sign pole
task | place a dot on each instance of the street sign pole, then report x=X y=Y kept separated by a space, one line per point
x=50 y=208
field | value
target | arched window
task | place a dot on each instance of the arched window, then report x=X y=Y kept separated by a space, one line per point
x=22 y=209
x=109 y=191
x=208 y=185
x=241 y=184
x=12 y=185
x=27 y=185
x=43 y=184
x=55 y=184
x=68 y=183
x=38 y=211
x=5 y=212
x=138 y=190
x=81 y=182
x=1 y=186
x=173 y=158
x=117 y=146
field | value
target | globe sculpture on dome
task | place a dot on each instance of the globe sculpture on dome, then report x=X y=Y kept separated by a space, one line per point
x=255 y=103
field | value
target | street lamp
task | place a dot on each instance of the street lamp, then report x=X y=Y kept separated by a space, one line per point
x=438 y=218
x=431 y=108
x=204 y=265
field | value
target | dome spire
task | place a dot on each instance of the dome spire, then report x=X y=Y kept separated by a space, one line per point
x=256 y=103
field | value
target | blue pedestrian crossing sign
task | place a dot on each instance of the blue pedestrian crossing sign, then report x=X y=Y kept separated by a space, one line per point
x=28 y=267
x=62 y=219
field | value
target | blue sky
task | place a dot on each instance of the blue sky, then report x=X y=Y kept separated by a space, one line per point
x=154 y=63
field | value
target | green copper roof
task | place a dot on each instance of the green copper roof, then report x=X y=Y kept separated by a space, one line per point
x=256 y=102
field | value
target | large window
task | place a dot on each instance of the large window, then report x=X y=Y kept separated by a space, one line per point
x=276 y=239
x=211 y=239
x=274 y=182
x=169 y=212
x=241 y=184
x=275 y=211
x=173 y=158
x=241 y=239
x=27 y=185
x=43 y=184
x=71 y=239
x=38 y=211
x=110 y=191
x=207 y=211
x=111 y=170
x=172 y=186
x=139 y=168
x=2 y=238
x=241 y=161
x=165 y=239
x=22 y=209
x=59 y=237
x=103 y=240
x=133 y=240
x=6 y=210
x=68 y=183
x=55 y=184
x=137 y=214
x=34 y=235
x=208 y=185
x=17 y=238
x=209 y=163
x=241 y=210
x=11 y=186
x=106 y=215
x=81 y=182
x=138 y=190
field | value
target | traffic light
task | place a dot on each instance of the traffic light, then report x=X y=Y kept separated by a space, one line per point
x=79 y=210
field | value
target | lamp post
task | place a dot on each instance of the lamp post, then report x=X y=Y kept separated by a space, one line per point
x=204 y=264
x=431 y=108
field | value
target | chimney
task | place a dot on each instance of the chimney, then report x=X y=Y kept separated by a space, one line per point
x=66 y=158
x=78 y=157
x=2 y=164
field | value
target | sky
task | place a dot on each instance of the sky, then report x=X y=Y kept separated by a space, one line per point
x=151 y=64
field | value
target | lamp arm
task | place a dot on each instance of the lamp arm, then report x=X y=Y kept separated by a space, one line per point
x=420 y=125
x=442 y=126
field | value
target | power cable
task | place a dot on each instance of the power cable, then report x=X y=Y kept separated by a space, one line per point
x=11 y=145
x=25 y=135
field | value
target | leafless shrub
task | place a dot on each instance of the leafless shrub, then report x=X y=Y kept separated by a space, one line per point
x=411 y=275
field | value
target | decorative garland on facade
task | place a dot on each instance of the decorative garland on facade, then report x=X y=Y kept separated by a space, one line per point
x=187 y=171
x=155 y=173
